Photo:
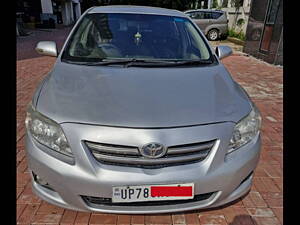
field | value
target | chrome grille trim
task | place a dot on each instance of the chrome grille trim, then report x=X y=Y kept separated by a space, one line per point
x=113 y=149
x=183 y=149
x=130 y=156
x=145 y=161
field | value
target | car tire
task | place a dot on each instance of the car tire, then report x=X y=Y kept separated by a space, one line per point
x=213 y=35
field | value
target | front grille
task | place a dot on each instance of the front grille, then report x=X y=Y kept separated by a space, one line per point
x=130 y=156
x=98 y=201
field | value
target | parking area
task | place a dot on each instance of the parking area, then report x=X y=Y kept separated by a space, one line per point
x=262 y=206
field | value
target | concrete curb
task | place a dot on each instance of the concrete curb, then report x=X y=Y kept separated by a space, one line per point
x=236 y=41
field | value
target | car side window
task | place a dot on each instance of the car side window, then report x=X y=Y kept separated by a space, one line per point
x=192 y=15
x=199 y=15
x=207 y=15
x=215 y=15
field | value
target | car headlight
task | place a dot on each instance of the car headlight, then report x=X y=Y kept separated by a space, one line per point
x=46 y=131
x=245 y=130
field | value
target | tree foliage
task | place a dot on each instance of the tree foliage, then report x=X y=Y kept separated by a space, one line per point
x=236 y=3
x=215 y=4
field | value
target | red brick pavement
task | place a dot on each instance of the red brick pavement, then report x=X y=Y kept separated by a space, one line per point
x=26 y=44
x=262 y=206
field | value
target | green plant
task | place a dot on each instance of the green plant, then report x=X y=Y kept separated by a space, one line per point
x=240 y=22
x=240 y=35
x=215 y=4
x=219 y=7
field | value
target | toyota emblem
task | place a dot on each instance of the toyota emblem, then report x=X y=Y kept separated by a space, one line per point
x=153 y=150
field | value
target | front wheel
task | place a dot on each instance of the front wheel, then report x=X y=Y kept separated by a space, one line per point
x=213 y=35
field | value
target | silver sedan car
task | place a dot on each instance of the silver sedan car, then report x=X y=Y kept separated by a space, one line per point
x=139 y=115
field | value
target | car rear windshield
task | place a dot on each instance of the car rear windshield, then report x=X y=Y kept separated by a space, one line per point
x=138 y=36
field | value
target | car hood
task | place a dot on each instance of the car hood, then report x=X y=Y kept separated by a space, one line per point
x=142 y=97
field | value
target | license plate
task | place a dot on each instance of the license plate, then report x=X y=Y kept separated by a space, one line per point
x=153 y=192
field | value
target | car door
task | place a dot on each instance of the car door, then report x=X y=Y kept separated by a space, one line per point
x=202 y=19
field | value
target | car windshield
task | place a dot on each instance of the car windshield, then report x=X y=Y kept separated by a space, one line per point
x=135 y=36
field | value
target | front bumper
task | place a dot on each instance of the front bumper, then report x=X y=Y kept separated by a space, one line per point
x=222 y=174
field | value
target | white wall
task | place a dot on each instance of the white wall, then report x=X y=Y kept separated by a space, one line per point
x=47 y=6
x=71 y=11
x=244 y=13
x=77 y=11
x=67 y=12
x=209 y=3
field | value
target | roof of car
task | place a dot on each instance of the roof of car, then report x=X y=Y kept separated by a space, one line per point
x=136 y=10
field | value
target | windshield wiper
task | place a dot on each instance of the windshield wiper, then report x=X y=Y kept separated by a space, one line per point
x=194 y=62
x=168 y=63
x=105 y=61
x=100 y=62
x=142 y=62
x=133 y=62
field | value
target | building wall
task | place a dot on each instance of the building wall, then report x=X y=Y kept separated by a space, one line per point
x=77 y=10
x=242 y=13
x=279 y=54
x=256 y=44
x=46 y=6
x=29 y=9
x=67 y=13
x=67 y=10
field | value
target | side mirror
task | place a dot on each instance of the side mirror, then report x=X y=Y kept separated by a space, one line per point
x=223 y=51
x=47 y=48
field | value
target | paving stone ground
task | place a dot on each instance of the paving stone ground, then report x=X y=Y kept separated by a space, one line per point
x=262 y=206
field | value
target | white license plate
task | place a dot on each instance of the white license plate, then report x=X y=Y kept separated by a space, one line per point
x=153 y=192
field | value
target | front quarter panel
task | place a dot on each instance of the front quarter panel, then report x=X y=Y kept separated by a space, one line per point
x=38 y=90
